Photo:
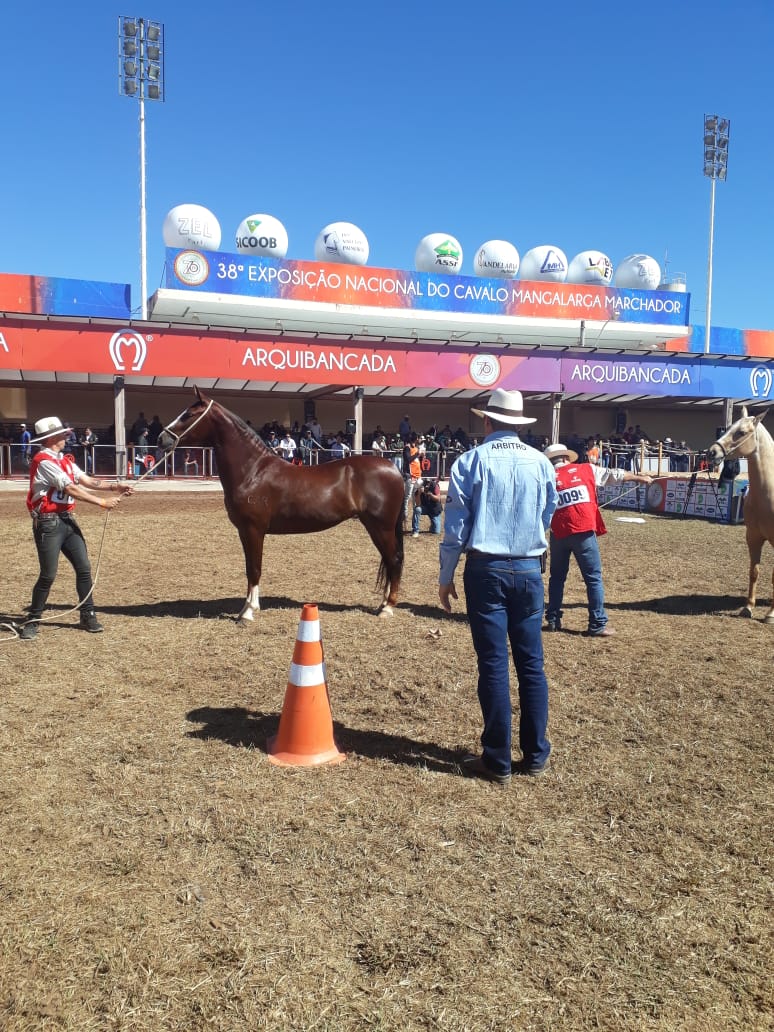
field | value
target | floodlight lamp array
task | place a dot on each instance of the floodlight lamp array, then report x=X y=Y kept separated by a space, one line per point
x=140 y=58
x=717 y=132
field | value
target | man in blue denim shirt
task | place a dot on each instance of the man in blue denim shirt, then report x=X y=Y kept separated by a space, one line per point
x=501 y=497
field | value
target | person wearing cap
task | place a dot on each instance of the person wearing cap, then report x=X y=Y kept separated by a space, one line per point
x=501 y=497
x=575 y=527
x=55 y=484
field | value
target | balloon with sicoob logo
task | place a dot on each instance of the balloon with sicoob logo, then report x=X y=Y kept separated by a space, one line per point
x=545 y=262
x=262 y=235
x=341 y=242
x=438 y=252
x=191 y=225
x=590 y=267
x=498 y=259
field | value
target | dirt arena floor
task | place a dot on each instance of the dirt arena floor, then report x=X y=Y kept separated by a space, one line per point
x=160 y=875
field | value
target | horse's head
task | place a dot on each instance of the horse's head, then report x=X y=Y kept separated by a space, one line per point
x=193 y=424
x=739 y=439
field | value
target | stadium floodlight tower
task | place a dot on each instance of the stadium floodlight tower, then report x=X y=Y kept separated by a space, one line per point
x=716 y=135
x=141 y=75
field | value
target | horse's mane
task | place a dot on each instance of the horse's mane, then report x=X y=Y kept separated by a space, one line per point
x=250 y=435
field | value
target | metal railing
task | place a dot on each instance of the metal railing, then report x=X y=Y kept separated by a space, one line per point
x=199 y=463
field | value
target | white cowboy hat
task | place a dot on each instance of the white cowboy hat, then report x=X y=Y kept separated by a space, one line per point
x=505 y=407
x=51 y=426
x=558 y=451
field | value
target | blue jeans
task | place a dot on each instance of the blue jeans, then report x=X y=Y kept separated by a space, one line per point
x=54 y=535
x=505 y=603
x=586 y=551
x=435 y=521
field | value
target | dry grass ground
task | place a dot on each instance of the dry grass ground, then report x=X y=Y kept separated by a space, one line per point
x=160 y=875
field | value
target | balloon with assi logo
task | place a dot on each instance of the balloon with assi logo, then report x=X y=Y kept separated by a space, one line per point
x=590 y=267
x=638 y=272
x=341 y=242
x=498 y=259
x=438 y=252
x=545 y=262
x=191 y=225
x=263 y=235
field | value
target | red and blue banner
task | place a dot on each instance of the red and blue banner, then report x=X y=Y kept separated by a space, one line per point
x=219 y=272
x=44 y=295
x=147 y=352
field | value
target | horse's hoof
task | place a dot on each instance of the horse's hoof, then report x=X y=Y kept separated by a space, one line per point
x=385 y=611
x=745 y=612
x=769 y=618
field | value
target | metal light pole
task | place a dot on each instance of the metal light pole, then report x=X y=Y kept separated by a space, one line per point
x=141 y=75
x=716 y=135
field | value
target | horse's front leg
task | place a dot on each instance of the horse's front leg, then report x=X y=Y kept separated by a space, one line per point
x=252 y=544
x=755 y=547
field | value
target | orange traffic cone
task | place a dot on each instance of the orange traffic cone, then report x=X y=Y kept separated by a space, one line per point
x=305 y=735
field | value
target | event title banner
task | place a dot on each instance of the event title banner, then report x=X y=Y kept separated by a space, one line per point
x=242 y=275
x=213 y=357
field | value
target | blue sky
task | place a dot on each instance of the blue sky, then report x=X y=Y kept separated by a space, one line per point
x=562 y=123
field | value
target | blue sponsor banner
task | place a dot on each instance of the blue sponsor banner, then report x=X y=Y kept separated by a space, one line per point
x=220 y=272
x=689 y=377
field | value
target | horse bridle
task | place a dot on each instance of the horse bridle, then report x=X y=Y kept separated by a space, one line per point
x=737 y=445
x=178 y=437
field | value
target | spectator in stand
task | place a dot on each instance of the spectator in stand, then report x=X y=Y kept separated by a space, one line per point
x=427 y=502
x=272 y=442
x=574 y=529
x=25 y=438
x=87 y=442
x=593 y=454
x=190 y=465
x=681 y=460
x=141 y=444
x=339 y=449
x=154 y=429
x=404 y=427
x=287 y=447
x=316 y=429
x=379 y=444
x=307 y=446
x=139 y=426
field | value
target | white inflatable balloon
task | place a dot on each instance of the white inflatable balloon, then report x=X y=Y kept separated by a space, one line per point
x=498 y=259
x=638 y=272
x=191 y=225
x=263 y=235
x=590 y=267
x=545 y=262
x=341 y=242
x=438 y=252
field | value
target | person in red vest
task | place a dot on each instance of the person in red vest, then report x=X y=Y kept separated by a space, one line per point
x=55 y=483
x=575 y=525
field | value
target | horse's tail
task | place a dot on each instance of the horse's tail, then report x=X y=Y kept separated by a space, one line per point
x=383 y=577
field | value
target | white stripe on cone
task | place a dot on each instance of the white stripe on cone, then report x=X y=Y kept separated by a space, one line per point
x=309 y=630
x=307 y=676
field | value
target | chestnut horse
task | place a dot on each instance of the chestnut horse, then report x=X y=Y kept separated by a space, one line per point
x=264 y=494
x=748 y=437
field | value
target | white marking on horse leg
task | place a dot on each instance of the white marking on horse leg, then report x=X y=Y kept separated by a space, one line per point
x=385 y=610
x=252 y=604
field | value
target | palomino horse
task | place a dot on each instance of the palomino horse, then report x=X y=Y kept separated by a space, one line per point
x=748 y=437
x=264 y=494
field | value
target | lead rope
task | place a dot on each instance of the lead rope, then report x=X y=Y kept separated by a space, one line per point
x=16 y=627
